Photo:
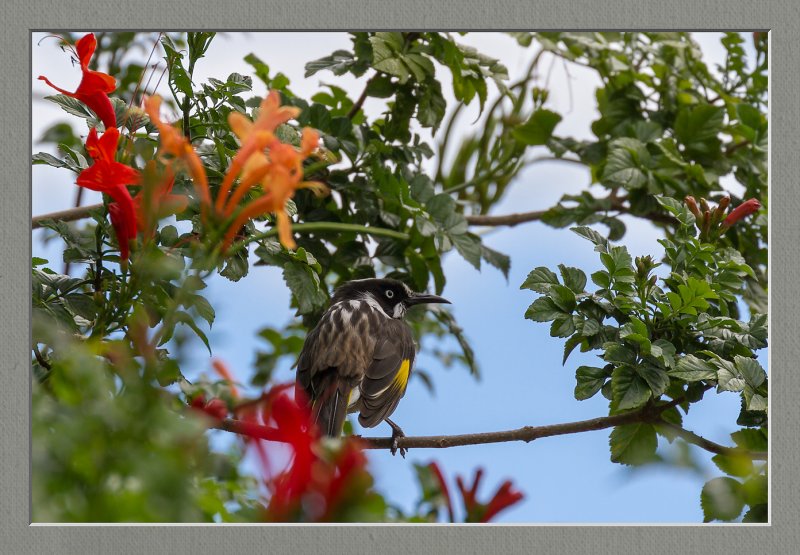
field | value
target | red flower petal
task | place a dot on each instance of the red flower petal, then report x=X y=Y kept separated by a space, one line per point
x=94 y=86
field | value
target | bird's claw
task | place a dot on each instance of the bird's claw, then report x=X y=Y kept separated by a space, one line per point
x=397 y=433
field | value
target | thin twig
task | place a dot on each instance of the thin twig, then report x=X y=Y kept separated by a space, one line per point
x=691 y=437
x=40 y=359
x=360 y=102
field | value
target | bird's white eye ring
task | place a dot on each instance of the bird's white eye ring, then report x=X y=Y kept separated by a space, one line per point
x=389 y=293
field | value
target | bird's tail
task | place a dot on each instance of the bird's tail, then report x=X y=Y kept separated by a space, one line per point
x=330 y=409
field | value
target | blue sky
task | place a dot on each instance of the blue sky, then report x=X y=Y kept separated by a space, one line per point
x=565 y=479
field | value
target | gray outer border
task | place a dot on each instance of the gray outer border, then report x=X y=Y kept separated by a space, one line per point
x=23 y=15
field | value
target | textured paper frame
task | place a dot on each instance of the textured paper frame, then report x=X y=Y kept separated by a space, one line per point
x=22 y=16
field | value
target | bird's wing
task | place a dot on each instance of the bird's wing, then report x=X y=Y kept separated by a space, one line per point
x=342 y=343
x=386 y=378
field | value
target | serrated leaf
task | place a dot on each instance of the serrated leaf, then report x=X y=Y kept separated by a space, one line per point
x=633 y=444
x=751 y=370
x=305 y=286
x=601 y=243
x=563 y=297
x=656 y=378
x=751 y=439
x=589 y=381
x=497 y=259
x=693 y=369
x=573 y=278
x=543 y=309
x=630 y=390
x=721 y=499
x=540 y=280
x=563 y=326
x=468 y=246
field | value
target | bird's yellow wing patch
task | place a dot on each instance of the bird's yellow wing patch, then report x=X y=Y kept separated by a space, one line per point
x=401 y=378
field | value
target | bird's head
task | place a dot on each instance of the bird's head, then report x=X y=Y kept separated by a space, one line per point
x=391 y=296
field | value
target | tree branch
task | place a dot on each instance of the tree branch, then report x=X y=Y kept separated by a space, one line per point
x=526 y=433
x=522 y=217
x=69 y=215
x=507 y=219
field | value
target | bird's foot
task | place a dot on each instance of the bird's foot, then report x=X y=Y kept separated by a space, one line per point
x=397 y=433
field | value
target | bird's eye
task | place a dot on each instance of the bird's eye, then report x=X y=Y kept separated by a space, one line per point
x=389 y=293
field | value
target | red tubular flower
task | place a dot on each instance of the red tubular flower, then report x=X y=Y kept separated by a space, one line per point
x=437 y=472
x=748 y=207
x=94 y=86
x=503 y=498
x=111 y=177
x=293 y=420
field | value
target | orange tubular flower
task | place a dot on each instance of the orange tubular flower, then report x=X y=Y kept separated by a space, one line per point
x=279 y=173
x=111 y=177
x=175 y=144
x=254 y=137
x=94 y=86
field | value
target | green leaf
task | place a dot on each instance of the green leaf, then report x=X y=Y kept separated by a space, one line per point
x=757 y=513
x=305 y=286
x=540 y=280
x=386 y=48
x=71 y=105
x=696 y=125
x=750 y=370
x=590 y=379
x=735 y=465
x=656 y=378
x=543 y=309
x=623 y=169
x=573 y=278
x=751 y=439
x=538 y=129
x=469 y=246
x=380 y=86
x=601 y=243
x=339 y=63
x=721 y=499
x=619 y=354
x=563 y=297
x=633 y=444
x=693 y=369
x=497 y=259
x=562 y=326
x=629 y=389
x=184 y=318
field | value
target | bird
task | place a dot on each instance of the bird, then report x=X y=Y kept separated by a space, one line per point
x=360 y=355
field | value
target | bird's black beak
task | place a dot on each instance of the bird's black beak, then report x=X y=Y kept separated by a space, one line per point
x=422 y=298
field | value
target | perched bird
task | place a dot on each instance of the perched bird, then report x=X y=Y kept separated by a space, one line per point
x=359 y=356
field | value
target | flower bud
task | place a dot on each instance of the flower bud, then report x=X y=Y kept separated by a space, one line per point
x=748 y=207
x=692 y=204
x=719 y=212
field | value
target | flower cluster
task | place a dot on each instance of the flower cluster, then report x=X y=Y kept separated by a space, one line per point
x=713 y=223
x=276 y=167
x=476 y=511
